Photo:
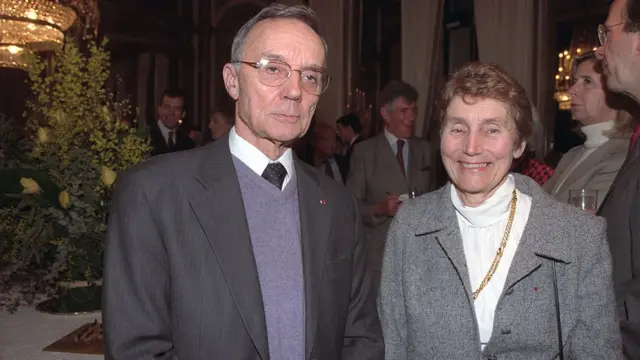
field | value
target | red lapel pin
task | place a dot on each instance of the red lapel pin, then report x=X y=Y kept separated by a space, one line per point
x=323 y=202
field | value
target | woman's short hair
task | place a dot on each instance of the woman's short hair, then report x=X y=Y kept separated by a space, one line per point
x=478 y=80
x=624 y=105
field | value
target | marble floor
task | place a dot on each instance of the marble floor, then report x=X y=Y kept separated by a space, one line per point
x=24 y=334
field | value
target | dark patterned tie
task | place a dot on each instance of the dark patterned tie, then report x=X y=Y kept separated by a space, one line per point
x=400 y=155
x=275 y=174
x=172 y=141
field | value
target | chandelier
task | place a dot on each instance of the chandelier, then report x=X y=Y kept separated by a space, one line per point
x=37 y=25
x=584 y=40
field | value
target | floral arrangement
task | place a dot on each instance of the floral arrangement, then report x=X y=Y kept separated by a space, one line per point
x=54 y=203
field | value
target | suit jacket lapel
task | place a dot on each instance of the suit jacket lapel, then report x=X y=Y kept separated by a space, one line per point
x=389 y=161
x=315 y=225
x=157 y=139
x=632 y=156
x=218 y=200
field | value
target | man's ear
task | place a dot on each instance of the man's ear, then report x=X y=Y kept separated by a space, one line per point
x=230 y=78
x=384 y=112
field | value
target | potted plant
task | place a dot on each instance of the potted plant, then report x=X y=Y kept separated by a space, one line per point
x=53 y=214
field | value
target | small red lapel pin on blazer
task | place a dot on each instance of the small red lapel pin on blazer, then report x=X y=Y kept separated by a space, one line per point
x=323 y=202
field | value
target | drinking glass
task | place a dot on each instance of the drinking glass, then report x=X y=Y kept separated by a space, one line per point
x=585 y=199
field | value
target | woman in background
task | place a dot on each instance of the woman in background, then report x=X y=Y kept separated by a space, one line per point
x=595 y=164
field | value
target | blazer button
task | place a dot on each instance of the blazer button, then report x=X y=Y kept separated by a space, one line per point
x=509 y=291
x=505 y=331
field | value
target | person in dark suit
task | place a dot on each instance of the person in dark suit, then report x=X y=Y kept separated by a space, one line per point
x=243 y=251
x=619 y=42
x=324 y=158
x=167 y=135
x=348 y=128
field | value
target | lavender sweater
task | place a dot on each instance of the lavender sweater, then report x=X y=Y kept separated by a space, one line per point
x=274 y=226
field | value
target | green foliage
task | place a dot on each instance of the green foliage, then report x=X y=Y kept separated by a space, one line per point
x=77 y=145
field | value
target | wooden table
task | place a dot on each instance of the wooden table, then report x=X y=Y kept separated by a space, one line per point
x=24 y=334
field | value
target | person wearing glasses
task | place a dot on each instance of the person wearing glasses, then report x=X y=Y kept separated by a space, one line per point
x=490 y=266
x=619 y=49
x=242 y=251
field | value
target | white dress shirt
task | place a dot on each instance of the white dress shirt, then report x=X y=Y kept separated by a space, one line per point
x=255 y=159
x=393 y=141
x=164 y=130
x=482 y=229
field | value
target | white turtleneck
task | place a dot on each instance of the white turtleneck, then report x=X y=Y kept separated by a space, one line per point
x=482 y=229
x=594 y=139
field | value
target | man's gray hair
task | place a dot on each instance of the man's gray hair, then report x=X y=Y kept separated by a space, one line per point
x=301 y=13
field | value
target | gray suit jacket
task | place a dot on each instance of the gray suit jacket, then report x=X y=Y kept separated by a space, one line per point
x=425 y=302
x=374 y=173
x=621 y=208
x=596 y=172
x=180 y=277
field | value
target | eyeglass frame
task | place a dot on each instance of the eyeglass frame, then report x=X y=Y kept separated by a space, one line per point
x=603 y=31
x=263 y=62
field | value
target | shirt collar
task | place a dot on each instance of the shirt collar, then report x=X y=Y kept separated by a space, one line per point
x=392 y=139
x=255 y=159
x=164 y=129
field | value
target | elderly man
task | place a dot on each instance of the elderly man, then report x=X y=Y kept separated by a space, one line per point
x=620 y=41
x=242 y=251
x=389 y=168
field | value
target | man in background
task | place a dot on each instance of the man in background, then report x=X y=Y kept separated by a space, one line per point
x=166 y=134
x=323 y=143
x=619 y=37
x=389 y=168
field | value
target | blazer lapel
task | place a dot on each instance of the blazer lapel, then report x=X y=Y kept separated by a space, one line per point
x=157 y=140
x=536 y=243
x=587 y=165
x=315 y=225
x=447 y=232
x=220 y=211
x=551 y=185
x=632 y=156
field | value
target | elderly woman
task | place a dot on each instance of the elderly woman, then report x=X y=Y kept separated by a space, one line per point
x=490 y=266
x=595 y=164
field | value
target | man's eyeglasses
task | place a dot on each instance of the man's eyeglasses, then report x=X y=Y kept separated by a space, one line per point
x=276 y=73
x=603 y=31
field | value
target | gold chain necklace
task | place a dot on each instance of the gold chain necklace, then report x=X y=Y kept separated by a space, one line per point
x=503 y=244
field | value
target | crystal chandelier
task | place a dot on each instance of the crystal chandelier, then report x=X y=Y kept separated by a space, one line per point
x=31 y=25
x=584 y=40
